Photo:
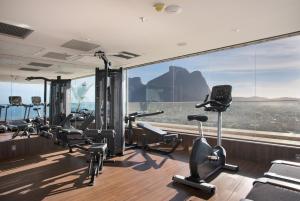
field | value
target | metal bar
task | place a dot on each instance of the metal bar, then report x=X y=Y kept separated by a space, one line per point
x=6 y=108
x=45 y=101
x=105 y=95
x=219 y=137
x=97 y=99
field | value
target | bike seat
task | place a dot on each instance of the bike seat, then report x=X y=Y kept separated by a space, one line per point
x=98 y=147
x=151 y=129
x=201 y=118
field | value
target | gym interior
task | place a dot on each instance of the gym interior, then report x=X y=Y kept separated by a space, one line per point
x=150 y=100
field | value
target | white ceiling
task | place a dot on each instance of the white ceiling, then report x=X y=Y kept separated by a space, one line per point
x=116 y=26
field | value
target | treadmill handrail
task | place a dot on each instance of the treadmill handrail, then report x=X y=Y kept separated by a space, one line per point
x=281 y=177
x=286 y=163
x=275 y=182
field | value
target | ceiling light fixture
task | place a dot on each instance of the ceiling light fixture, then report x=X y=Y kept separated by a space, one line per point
x=236 y=30
x=173 y=9
x=159 y=7
x=181 y=44
x=143 y=19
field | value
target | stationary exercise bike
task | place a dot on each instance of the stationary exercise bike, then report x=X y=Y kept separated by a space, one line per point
x=205 y=161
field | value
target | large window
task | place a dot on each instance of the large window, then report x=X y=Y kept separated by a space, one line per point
x=265 y=79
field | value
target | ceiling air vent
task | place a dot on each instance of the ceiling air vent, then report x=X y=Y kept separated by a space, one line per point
x=56 y=55
x=80 y=45
x=14 y=31
x=126 y=55
x=39 y=64
x=29 y=69
x=64 y=73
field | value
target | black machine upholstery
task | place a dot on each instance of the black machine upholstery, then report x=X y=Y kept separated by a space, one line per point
x=201 y=118
x=152 y=129
x=72 y=136
x=98 y=147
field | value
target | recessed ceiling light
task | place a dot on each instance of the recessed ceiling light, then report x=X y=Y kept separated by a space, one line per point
x=236 y=30
x=173 y=9
x=182 y=44
x=142 y=19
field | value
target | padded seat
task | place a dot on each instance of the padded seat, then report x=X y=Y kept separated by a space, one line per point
x=72 y=131
x=157 y=136
x=151 y=128
x=77 y=118
x=45 y=127
x=201 y=118
x=98 y=147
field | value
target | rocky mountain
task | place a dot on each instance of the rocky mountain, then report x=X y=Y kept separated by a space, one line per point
x=136 y=90
x=176 y=85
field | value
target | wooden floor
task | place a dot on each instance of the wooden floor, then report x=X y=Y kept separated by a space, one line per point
x=6 y=136
x=135 y=176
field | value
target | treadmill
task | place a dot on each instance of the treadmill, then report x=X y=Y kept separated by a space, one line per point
x=285 y=171
x=281 y=182
x=266 y=189
x=16 y=125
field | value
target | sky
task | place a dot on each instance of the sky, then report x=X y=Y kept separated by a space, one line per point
x=270 y=69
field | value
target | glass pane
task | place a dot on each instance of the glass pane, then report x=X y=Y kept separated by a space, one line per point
x=277 y=85
x=147 y=92
x=264 y=77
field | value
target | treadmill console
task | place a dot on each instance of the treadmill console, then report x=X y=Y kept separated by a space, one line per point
x=36 y=100
x=15 y=100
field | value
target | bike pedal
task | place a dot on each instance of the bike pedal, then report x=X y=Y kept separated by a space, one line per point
x=213 y=158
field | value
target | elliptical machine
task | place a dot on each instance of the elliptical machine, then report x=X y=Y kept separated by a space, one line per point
x=205 y=161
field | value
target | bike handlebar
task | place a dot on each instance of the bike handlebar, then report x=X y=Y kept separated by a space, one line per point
x=211 y=102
